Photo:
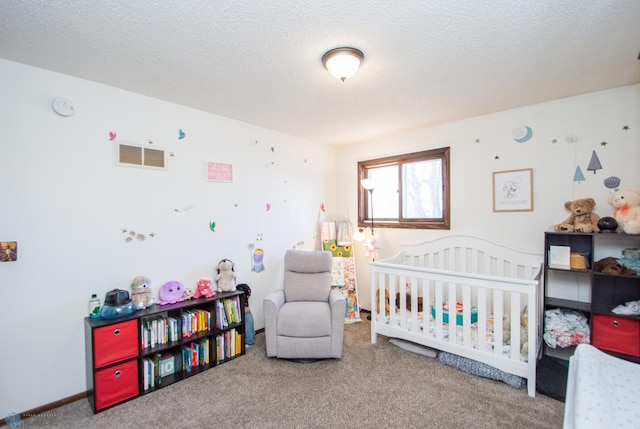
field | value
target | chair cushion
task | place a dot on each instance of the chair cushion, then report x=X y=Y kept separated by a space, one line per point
x=304 y=261
x=307 y=287
x=304 y=319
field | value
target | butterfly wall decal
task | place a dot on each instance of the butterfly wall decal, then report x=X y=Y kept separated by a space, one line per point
x=112 y=135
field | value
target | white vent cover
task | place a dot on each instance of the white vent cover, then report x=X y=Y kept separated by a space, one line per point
x=141 y=156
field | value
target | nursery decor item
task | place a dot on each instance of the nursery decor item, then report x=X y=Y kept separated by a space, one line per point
x=581 y=219
x=513 y=190
x=611 y=266
x=249 y=330
x=226 y=277
x=626 y=204
x=607 y=224
x=171 y=292
x=631 y=258
x=141 y=292
x=117 y=303
x=203 y=288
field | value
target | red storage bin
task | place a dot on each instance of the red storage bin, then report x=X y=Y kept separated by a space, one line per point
x=616 y=334
x=115 y=343
x=116 y=384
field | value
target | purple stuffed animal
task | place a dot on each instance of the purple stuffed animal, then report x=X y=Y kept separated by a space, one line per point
x=170 y=293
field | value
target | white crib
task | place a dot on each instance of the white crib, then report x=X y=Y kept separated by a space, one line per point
x=481 y=279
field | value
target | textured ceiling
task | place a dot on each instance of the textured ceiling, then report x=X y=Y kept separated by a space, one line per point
x=259 y=61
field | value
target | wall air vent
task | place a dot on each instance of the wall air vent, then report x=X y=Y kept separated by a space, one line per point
x=141 y=156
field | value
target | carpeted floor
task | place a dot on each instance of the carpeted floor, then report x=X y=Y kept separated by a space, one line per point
x=377 y=385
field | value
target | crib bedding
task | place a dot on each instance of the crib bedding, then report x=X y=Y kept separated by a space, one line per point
x=506 y=348
x=602 y=391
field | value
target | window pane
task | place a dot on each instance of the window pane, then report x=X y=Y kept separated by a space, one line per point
x=422 y=189
x=385 y=195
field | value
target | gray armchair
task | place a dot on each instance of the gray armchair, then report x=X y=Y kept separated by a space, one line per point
x=305 y=319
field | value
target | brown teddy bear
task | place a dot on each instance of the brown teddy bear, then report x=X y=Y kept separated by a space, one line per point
x=611 y=266
x=582 y=218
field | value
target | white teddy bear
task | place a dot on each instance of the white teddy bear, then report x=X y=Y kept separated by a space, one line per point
x=626 y=203
x=226 y=277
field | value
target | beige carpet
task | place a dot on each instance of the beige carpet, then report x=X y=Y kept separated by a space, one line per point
x=377 y=385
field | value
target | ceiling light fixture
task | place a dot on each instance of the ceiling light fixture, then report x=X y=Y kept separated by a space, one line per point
x=342 y=63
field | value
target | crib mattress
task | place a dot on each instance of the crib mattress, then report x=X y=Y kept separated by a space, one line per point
x=602 y=391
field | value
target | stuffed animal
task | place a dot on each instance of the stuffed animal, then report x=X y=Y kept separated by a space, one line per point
x=141 y=292
x=188 y=293
x=203 y=288
x=582 y=218
x=170 y=293
x=626 y=204
x=631 y=258
x=611 y=266
x=226 y=277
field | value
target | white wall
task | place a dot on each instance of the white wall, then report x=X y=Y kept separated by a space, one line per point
x=65 y=202
x=591 y=119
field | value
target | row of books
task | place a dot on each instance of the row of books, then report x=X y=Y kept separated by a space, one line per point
x=158 y=330
x=194 y=321
x=228 y=344
x=228 y=312
x=151 y=371
x=195 y=355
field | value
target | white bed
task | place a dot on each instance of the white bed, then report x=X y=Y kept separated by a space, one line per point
x=487 y=281
x=603 y=391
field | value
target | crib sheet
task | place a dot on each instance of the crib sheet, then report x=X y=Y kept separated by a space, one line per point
x=602 y=391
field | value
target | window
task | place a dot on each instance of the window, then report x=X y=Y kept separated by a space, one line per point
x=409 y=191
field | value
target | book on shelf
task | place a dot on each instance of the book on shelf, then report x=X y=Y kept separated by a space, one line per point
x=559 y=257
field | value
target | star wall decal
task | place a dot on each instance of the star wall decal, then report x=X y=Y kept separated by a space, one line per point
x=626 y=128
x=603 y=143
x=496 y=157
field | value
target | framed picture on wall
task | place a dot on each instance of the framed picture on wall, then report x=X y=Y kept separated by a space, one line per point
x=513 y=190
x=219 y=172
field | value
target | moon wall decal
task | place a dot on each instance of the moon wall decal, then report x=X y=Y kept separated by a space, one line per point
x=522 y=134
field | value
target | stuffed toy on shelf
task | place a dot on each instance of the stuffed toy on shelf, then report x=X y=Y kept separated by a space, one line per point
x=581 y=219
x=626 y=204
x=226 y=277
x=141 y=294
x=204 y=289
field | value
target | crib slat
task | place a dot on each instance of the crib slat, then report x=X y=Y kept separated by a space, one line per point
x=482 y=319
x=515 y=325
x=497 y=321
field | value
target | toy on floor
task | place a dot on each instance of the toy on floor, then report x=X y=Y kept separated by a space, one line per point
x=582 y=218
x=226 y=277
x=626 y=204
x=170 y=293
x=249 y=331
x=141 y=292
x=203 y=288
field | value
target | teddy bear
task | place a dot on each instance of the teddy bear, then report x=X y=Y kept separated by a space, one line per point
x=626 y=204
x=226 y=277
x=582 y=218
x=141 y=292
x=611 y=266
x=203 y=288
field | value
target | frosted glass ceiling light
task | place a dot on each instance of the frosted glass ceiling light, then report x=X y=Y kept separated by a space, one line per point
x=342 y=63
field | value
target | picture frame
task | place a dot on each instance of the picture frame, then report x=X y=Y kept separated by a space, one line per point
x=513 y=190
x=218 y=172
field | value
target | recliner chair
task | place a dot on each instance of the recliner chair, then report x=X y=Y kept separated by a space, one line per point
x=305 y=319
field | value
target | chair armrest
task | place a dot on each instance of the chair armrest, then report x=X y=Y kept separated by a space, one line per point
x=338 y=304
x=271 y=306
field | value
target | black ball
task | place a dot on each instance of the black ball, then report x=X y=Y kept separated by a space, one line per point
x=607 y=224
